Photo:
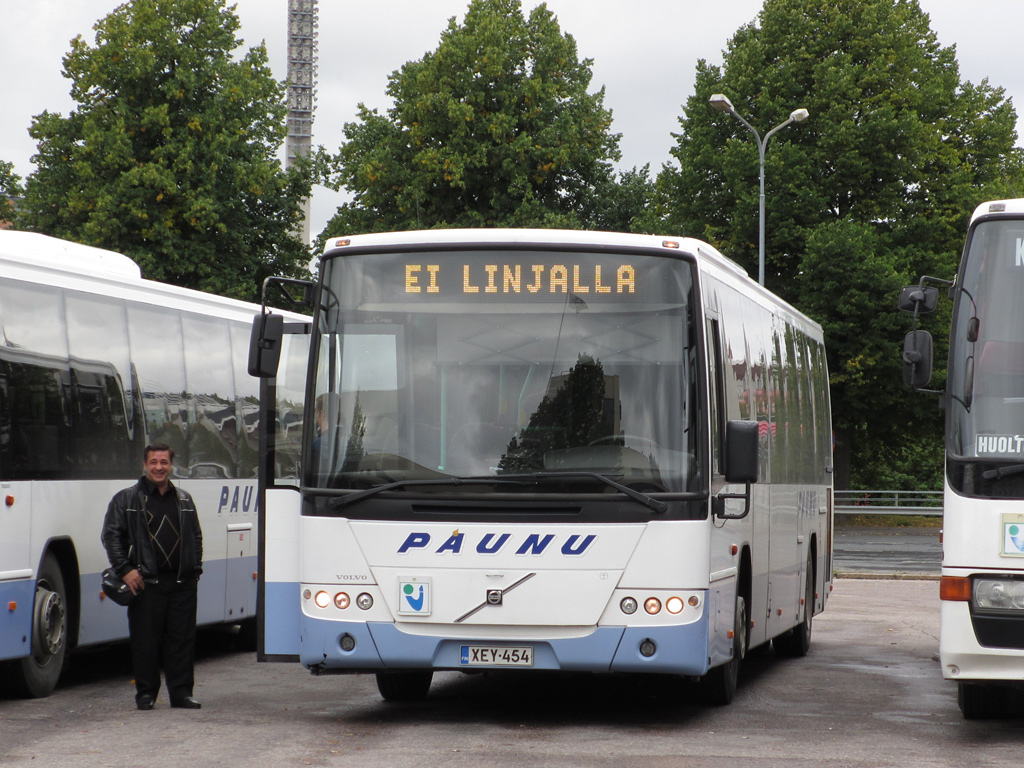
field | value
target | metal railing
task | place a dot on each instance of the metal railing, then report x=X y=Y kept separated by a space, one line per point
x=888 y=503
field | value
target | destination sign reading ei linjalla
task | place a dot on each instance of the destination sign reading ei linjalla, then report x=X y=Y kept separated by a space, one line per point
x=520 y=278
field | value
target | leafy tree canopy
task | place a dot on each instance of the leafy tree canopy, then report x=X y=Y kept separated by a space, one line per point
x=10 y=187
x=869 y=193
x=171 y=154
x=494 y=128
x=893 y=135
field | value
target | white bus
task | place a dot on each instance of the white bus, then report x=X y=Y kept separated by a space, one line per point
x=95 y=363
x=981 y=641
x=547 y=450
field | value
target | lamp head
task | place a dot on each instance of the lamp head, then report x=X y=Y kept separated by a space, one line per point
x=721 y=102
x=799 y=115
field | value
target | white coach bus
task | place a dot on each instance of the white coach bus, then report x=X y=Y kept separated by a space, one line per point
x=546 y=450
x=981 y=641
x=95 y=363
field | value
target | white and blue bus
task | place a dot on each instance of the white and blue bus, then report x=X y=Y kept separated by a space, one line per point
x=95 y=363
x=981 y=640
x=545 y=450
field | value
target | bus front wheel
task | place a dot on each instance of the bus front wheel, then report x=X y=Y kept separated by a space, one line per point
x=40 y=670
x=404 y=686
x=718 y=686
x=980 y=702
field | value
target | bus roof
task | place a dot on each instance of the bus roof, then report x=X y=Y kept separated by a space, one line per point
x=44 y=259
x=997 y=207
x=555 y=237
x=53 y=253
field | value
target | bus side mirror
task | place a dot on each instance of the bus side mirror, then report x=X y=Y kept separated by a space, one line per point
x=742 y=452
x=265 y=345
x=920 y=299
x=742 y=460
x=917 y=359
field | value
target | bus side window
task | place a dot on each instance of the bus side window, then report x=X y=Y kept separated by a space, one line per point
x=716 y=409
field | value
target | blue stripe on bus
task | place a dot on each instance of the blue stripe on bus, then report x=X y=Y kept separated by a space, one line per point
x=15 y=625
x=380 y=645
x=104 y=621
x=283 y=613
x=679 y=650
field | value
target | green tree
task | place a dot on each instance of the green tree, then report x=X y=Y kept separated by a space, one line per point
x=869 y=193
x=10 y=188
x=494 y=128
x=1010 y=183
x=171 y=154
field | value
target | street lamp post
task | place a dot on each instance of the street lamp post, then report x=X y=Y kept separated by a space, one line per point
x=721 y=102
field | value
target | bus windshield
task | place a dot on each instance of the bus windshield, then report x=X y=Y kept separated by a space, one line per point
x=545 y=371
x=985 y=440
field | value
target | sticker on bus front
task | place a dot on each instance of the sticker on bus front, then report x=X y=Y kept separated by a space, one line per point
x=414 y=596
x=1013 y=535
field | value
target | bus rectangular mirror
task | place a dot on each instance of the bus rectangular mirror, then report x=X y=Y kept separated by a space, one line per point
x=919 y=298
x=742 y=447
x=917 y=359
x=265 y=345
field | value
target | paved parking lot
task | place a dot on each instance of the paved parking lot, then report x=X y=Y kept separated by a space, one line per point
x=912 y=552
x=869 y=694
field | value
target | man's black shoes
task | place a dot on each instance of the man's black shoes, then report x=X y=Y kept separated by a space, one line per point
x=146 y=702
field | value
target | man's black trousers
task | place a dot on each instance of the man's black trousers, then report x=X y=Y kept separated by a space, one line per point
x=162 y=624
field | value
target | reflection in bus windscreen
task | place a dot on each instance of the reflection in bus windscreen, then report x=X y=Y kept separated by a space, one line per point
x=476 y=364
x=986 y=370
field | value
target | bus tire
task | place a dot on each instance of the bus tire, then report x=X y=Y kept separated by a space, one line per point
x=718 y=686
x=980 y=702
x=37 y=674
x=404 y=686
x=795 y=643
x=248 y=635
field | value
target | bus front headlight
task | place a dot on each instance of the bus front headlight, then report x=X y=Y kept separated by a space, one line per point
x=998 y=594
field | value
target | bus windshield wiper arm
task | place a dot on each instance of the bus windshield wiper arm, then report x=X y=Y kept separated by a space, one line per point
x=999 y=472
x=339 y=502
x=643 y=498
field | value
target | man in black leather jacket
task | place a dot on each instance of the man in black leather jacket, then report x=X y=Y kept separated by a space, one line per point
x=153 y=540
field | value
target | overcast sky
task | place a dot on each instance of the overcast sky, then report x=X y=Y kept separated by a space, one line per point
x=644 y=51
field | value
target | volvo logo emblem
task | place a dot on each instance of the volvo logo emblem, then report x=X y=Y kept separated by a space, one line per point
x=494 y=597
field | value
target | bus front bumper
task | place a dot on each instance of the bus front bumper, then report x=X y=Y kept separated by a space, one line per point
x=964 y=659
x=339 y=646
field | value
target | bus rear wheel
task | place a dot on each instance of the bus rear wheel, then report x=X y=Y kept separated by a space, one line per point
x=404 y=686
x=37 y=674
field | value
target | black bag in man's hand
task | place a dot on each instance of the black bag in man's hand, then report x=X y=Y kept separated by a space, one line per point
x=115 y=588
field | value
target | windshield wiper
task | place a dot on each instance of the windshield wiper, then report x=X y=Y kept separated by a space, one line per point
x=1001 y=472
x=643 y=498
x=339 y=502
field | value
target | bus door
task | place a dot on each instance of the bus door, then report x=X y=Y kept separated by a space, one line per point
x=281 y=416
x=16 y=507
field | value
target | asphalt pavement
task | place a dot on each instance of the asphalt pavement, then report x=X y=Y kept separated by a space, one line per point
x=868 y=695
x=882 y=552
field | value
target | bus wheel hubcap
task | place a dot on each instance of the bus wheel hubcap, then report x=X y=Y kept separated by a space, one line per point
x=49 y=623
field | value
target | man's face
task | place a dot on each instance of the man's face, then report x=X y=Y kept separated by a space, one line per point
x=158 y=467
